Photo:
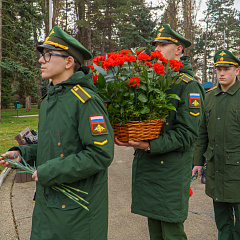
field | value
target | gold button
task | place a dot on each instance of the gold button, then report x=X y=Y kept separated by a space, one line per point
x=59 y=144
x=167 y=123
x=161 y=162
x=61 y=155
x=63 y=206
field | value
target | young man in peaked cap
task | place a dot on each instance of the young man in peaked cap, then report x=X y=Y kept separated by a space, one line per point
x=162 y=167
x=75 y=146
x=219 y=144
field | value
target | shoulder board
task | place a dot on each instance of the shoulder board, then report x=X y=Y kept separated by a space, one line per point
x=211 y=89
x=43 y=97
x=184 y=77
x=80 y=93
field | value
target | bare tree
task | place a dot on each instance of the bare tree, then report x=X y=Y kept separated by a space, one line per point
x=0 y=55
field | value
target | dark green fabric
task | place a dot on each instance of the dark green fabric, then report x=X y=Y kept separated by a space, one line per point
x=227 y=217
x=64 y=119
x=161 y=178
x=160 y=230
x=219 y=142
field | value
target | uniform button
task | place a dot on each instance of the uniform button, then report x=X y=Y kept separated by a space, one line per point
x=217 y=171
x=61 y=155
x=63 y=206
x=161 y=162
x=216 y=145
x=216 y=199
x=218 y=118
x=59 y=144
x=237 y=162
x=167 y=123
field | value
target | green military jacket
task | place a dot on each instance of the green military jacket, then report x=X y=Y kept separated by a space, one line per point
x=219 y=144
x=71 y=150
x=161 y=177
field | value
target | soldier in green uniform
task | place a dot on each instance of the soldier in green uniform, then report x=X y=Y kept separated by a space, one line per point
x=162 y=167
x=75 y=146
x=219 y=144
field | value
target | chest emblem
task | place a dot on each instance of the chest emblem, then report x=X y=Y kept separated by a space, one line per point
x=194 y=100
x=98 y=125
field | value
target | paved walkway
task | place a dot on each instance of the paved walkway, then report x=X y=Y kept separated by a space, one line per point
x=17 y=206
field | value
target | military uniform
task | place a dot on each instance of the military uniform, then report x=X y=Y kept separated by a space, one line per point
x=75 y=147
x=219 y=144
x=161 y=176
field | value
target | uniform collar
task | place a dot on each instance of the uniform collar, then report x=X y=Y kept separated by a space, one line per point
x=231 y=91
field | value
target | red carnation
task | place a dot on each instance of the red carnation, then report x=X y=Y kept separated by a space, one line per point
x=119 y=61
x=190 y=192
x=148 y=64
x=109 y=62
x=134 y=81
x=164 y=60
x=95 y=76
x=143 y=57
x=91 y=66
x=125 y=51
x=157 y=54
x=113 y=55
x=129 y=58
x=159 y=68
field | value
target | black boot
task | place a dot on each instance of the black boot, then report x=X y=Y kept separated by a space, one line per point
x=203 y=179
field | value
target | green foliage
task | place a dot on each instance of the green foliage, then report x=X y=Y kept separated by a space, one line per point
x=139 y=31
x=21 y=21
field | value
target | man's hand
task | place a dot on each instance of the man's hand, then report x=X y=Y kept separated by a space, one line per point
x=141 y=144
x=35 y=177
x=13 y=155
x=197 y=169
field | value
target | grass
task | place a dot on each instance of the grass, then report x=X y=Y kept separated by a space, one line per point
x=12 y=125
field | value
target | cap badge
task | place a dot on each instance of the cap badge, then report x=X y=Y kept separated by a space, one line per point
x=161 y=29
x=221 y=59
x=51 y=32
x=222 y=53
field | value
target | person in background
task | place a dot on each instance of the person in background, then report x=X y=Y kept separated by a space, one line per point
x=161 y=172
x=75 y=145
x=198 y=79
x=219 y=144
x=207 y=86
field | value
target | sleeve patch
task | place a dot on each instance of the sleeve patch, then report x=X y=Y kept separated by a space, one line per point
x=194 y=100
x=98 y=125
x=100 y=143
x=194 y=114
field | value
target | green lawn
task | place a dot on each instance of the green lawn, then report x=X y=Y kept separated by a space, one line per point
x=12 y=125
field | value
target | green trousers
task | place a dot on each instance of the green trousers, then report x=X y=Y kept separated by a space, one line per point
x=227 y=218
x=160 y=230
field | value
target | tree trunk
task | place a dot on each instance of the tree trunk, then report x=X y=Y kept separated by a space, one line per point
x=205 y=56
x=0 y=56
x=28 y=103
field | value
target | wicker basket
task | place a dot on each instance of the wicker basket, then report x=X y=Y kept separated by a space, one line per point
x=138 y=130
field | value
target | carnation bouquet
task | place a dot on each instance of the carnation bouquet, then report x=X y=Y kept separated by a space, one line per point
x=134 y=85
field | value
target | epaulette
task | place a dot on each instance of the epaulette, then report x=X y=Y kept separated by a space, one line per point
x=185 y=78
x=209 y=90
x=80 y=93
x=43 y=97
